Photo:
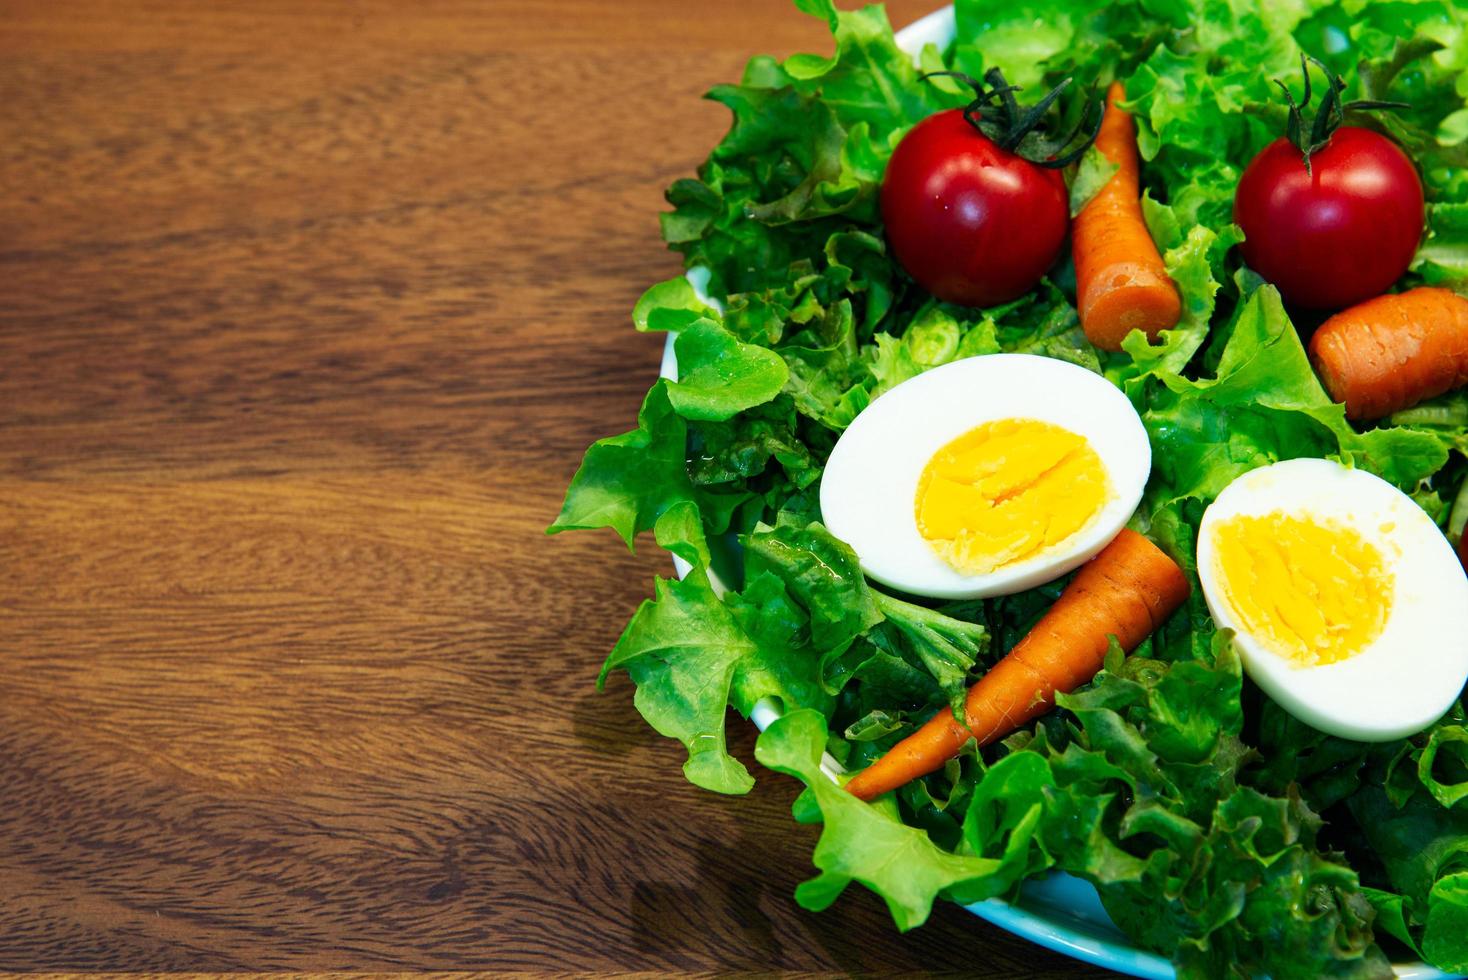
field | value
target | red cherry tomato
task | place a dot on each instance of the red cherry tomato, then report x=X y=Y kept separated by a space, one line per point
x=1463 y=549
x=1340 y=233
x=974 y=224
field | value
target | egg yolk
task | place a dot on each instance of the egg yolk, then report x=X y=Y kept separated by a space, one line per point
x=1314 y=592
x=1006 y=491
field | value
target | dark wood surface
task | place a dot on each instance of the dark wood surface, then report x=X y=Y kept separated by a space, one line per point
x=307 y=312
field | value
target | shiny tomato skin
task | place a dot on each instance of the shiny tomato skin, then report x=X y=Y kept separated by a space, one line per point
x=1338 y=234
x=1463 y=549
x=973 y=224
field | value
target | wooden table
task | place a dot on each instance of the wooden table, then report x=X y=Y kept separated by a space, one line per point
x=307 y=312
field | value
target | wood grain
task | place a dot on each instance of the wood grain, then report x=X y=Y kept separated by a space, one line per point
x=307 y=312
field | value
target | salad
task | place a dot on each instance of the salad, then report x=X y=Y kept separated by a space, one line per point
x=1100 y=518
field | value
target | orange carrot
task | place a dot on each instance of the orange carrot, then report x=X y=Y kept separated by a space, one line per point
x=1121 y=283
x=1391 y=352
x=1126 y=591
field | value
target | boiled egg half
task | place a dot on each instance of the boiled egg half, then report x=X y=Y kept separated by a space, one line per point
x=986 y=476
x=1349 y=608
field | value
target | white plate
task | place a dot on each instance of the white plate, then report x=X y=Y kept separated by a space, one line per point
x=1058 y=911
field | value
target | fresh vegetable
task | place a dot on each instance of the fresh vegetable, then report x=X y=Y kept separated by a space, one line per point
x=1463 y=549
x=1217 y=829
x=1123 y=594
x=1390 y=353
x=1121 y=282
x=1331 y=214
x=973 y=202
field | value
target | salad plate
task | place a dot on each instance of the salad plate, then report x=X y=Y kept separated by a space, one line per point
x=958 y=410
x=1058 y=911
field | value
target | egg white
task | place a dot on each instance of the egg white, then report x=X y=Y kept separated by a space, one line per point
x=1409 y=675
x=869 y=488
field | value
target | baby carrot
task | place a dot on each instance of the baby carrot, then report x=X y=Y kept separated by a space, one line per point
x=1126 y=591
x=1391 y=352
x=1121 y=283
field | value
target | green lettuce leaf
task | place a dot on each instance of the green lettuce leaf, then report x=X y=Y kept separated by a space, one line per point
x=783 y=665
x=681 y=649
x=719 y=377
x=822 y=574
x=1264 y=405
x=862 y=842
x=1424 y=850
x=868 y=79
x=1442 y=259
x=1445 y=936
x=670 y=305
x=626 y=482
x=1219 y=873
x=945 y=647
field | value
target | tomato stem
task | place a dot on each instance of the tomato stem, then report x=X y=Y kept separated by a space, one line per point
x=1331 y=114
x=998 y=116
